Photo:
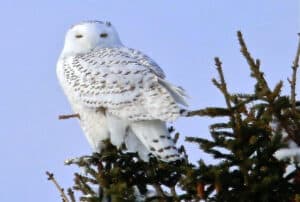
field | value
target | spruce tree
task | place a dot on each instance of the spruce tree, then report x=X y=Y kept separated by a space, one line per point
x=256 y=126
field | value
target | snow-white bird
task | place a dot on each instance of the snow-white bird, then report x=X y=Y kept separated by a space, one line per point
x=119 y=93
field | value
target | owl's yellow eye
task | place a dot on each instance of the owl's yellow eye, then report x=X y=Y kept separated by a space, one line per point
x=78 y=36
x=103 y=35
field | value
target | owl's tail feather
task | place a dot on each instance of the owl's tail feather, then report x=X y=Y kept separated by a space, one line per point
x=177 y=92
x=133 y=144
x=120 y=133
x=156 y=138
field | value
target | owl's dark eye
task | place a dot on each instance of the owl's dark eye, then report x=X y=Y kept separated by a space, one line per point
x=78 y=36
x=103 y=35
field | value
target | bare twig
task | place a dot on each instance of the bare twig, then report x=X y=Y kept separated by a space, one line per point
x=61 y=190
x=61 y=117
x=200 y=190
x=199 y=112
x=294 y=76
x=210 y=111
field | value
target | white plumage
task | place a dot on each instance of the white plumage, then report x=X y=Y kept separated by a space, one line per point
x=119 y=92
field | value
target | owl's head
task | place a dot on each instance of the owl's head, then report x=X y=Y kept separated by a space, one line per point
x=85 y=36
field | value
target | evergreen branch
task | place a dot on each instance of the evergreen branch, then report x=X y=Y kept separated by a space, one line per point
x=176 y=137
x=61 y=190
x=254 y=65
x=216 y=126
x=221 y=133
x=277 y=90
x=183 y=151
x=159 y=192
x=81 y=161
x=83 y=185
x=246 y=171
x=233 y=113
x=174 y=193
x=158 y=199
x=210 y=111
x=294 y=76
x=217 y=154
x=71 y=195
x=222 y=85
x=201 y=141
x=244 y=95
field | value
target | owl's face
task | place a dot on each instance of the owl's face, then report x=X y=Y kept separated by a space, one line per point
x=85 y=36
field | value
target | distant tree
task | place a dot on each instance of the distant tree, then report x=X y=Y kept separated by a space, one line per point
x=257 y=147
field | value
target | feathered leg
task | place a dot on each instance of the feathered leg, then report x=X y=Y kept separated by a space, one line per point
x=156 y=138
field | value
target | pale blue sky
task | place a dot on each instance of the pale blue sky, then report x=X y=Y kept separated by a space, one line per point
x=182 y=36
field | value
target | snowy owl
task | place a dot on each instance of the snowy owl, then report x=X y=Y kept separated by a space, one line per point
x=119 y=93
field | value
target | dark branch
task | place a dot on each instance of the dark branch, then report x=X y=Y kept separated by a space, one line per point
x=294 y=76
x=222 y=85
x=62 y=117
x=61 y=190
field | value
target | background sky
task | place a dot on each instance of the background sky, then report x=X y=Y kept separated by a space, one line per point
x=182 y=36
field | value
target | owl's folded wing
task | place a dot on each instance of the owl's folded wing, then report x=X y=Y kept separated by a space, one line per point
x=125 y=82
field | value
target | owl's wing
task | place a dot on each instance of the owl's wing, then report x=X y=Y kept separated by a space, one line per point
x=145 y=61
x=127 y=84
